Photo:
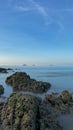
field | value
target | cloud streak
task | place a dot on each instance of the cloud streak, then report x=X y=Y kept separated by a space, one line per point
x=39 y=8
x=22 y=9
x=49 y=15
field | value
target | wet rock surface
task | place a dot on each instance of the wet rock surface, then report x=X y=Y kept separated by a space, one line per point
x=1 y=89
x=22 y=81
x=1 y=107
x=20 y=112
x=61 y=103
x=26 y=112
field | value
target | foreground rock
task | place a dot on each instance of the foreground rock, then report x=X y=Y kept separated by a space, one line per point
x=61 y=103
x=1 y=107
x=20 y=112
x=26 y=112
x=48 y=118
x=22 y=81
x=1 y=89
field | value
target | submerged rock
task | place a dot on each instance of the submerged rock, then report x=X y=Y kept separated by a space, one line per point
x=1 y=89
x=22 y=81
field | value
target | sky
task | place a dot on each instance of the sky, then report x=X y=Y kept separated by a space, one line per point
x=36 y=32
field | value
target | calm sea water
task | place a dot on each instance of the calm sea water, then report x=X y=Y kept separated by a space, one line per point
x=61 y=78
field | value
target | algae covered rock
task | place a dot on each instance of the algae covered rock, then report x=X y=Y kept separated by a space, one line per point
x=66 y=96
x=62 y=102
x=1 y=107
x=20 y=112
x=22 y=81
x=48 y=120
x=27 y=112
x=1 y=89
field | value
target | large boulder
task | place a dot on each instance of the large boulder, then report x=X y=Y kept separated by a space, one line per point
x=22 y=81
x=20 y=112
x=1 y=89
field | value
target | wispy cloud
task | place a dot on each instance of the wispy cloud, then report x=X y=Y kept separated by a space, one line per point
x=22 y=9
x=39 y=8
x=49 y=15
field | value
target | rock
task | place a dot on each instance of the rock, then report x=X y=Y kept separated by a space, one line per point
x=1 y=89
x=48 y=120
x=61 y=103
x=20 y=112
x=27 y=112
x=66 y=96
x=22 y=81
x=3 y=70
x=1 y=107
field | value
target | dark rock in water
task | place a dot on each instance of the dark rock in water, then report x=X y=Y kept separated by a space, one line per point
x=1 y=107
x=48 y=119
x=26 y=112
x=66 y=96
x=22 y=81
x=20 y=112
x=1 y=89
x=3 y=70
x=62 y=102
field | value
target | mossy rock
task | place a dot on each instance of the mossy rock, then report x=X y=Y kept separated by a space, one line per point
x=48 y=120
x=1 y=90
x=20 y=112
x=66 y=97
x=22 y=81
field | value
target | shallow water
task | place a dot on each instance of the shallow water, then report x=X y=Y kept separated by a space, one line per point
x=66 y=121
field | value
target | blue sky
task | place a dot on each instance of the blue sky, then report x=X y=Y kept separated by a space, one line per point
x=36 y=32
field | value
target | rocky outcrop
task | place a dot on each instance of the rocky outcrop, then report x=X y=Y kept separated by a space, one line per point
x=26 y=112
x=22 y=81
x=62 y=102
x=3 y=70
x=1 y=107
x=20 y=112
x=1 y=89
x=48 y=119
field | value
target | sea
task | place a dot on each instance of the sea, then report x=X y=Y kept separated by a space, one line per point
x=60 y=78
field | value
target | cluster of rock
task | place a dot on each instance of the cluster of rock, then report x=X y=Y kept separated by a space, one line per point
x=62 y=102
x=4 y=70
x=22 y=81
x=26 y=112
